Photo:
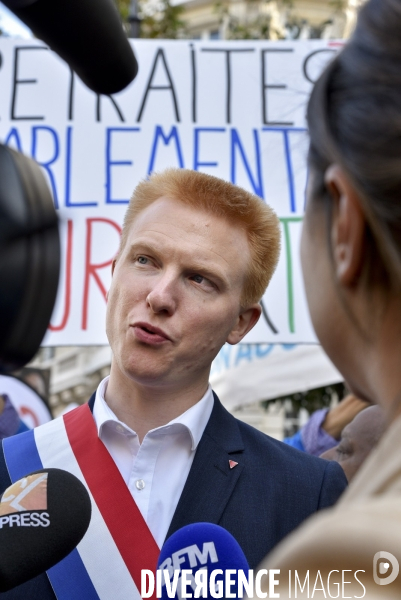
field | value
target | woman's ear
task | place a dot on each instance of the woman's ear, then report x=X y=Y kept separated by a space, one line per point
x=347 y=226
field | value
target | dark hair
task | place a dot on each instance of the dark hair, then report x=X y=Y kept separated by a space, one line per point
x=354 y=118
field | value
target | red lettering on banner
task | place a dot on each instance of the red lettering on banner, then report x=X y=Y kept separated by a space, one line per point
x=91 y=269
x=68 y=269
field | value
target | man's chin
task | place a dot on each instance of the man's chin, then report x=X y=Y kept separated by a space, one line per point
x=143 y=372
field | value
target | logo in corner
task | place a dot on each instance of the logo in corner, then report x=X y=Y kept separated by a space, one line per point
x=27 y=494
x=385 y=568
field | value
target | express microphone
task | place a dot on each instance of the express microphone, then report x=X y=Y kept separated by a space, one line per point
x=43 y=517
x=213 y=558
x=87 y=34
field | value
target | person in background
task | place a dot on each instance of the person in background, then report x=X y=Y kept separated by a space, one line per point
x=10 y=423
x=358 y=439
x=323 y=430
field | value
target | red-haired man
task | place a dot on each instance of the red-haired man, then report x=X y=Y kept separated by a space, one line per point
x=196 y=256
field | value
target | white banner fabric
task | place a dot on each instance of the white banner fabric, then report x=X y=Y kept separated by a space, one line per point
x=249 y=373
x=232 y=109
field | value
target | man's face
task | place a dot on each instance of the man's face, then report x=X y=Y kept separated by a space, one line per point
x=175 y=294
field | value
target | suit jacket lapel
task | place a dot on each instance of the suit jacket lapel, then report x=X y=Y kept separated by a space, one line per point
x=211 y=482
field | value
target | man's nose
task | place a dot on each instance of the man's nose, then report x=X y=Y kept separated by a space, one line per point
x=163 y=295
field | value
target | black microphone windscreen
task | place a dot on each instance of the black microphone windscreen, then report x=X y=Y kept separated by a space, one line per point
x=29 y=258
x=88 y=35
x=43 y=517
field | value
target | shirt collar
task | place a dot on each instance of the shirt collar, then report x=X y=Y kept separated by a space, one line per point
x=194 y=420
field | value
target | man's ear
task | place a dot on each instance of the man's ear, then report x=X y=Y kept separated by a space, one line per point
x=347 y=226
x=113 y=266
x=247 y=319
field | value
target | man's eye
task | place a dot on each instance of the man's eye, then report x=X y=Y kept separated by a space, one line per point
x=203 y=281
x=142 y=260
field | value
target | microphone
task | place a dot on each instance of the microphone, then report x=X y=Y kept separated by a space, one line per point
x=201 y=547
x=87 y=34
x=43 y=517
x=29 y=258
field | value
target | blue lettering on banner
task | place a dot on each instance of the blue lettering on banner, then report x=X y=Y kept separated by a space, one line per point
x=159 y=133
x=231 y=356
x=114 y=163
x=288 y=160
x=46 y=163
x=230 y=150
x=68 y=174
x=197 y=131
x=257 y=182
x=263 y=350
x=244 y=353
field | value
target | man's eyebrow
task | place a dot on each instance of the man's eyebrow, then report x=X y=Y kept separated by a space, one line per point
x=135 y=246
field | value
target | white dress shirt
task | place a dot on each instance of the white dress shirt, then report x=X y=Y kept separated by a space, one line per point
x=156 y=470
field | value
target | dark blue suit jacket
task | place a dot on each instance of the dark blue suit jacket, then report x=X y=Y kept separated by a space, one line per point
x=268 y=494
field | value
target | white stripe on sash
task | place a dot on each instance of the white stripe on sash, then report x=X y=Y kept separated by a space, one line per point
x=98 y=551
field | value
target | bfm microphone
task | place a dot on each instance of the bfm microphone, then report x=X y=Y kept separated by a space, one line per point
x=87 y=34
x=43 y=517
x=202 y=547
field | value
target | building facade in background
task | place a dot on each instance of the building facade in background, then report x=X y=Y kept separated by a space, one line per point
x=269 y=19
x=75 y=373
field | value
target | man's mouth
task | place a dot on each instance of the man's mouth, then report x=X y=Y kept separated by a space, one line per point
x=147 y=333
x=148 y=330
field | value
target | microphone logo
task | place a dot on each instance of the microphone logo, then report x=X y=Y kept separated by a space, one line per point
x=20 y=499
x=29 y=493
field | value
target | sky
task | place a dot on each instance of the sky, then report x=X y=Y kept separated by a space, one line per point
x=12 y=26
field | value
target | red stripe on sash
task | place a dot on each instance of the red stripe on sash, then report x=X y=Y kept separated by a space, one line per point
x=126 y=524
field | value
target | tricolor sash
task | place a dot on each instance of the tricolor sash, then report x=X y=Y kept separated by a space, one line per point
x=107 y=563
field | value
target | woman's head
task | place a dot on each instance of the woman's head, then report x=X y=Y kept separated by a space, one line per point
x=351 y=248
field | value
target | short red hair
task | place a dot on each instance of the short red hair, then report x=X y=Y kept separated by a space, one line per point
x=223 y=199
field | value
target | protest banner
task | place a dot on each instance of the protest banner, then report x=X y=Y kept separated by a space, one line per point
x=232 y=109
x=248 y=373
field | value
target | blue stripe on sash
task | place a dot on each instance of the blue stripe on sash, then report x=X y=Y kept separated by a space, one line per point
x=69 y=578
x=21 y=455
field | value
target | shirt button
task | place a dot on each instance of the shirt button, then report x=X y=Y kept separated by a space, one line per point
x=120 y=428
x=139 y=484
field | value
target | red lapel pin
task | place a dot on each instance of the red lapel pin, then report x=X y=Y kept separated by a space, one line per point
x=232 y=464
